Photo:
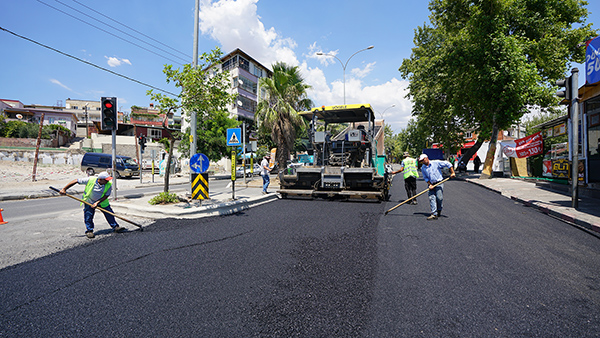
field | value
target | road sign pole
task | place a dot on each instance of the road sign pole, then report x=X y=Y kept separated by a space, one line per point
x=244 y=149
x=233 y=173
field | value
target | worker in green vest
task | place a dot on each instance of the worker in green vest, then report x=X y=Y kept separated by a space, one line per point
x=96 y=192
x=409 y=167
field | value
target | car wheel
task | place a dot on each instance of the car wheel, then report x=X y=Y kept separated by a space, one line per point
x=89 y=171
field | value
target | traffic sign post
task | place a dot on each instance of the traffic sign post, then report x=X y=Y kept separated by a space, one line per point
x=199 y=164
x=234 y=137
x=233 y=174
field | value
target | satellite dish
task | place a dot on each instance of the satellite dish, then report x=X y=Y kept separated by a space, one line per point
x=19 y=116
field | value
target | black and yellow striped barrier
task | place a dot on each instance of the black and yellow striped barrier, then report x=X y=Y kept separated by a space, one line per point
x=200 y=186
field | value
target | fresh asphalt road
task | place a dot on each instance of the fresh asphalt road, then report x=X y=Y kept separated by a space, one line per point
x=311 y=268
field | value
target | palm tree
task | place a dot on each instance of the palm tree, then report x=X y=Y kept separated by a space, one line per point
x=285 y=95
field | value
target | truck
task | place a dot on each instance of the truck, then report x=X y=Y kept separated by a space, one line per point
x=346 y=165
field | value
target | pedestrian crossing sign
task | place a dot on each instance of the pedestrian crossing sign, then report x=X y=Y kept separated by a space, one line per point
x=234 y=136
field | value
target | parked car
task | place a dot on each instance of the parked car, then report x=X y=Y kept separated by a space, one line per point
x=239 y=172
x=93 y=163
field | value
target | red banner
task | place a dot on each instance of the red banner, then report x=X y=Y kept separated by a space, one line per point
x=527 y=146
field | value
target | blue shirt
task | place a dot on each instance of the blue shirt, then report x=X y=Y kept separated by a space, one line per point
x=432 y=173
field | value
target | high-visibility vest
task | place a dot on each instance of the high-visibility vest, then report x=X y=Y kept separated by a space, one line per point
x=410 y=167
x=90 y=186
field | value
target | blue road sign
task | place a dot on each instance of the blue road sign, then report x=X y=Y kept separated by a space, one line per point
x=199 y=163
x=234 y=136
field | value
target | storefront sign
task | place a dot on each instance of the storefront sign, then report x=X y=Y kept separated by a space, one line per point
x=527 y=146
x=561 y=129
x=592 y=61
x=560 y=168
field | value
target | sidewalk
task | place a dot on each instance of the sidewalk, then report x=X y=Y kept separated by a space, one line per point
x=219 y=203
x=554 y=203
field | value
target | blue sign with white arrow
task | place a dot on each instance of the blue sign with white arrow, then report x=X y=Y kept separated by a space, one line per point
x=199 y=163
x=234 y=137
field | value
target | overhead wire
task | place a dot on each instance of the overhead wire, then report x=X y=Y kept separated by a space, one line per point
x=118 y=37
x=124 y=25
x=87 y=62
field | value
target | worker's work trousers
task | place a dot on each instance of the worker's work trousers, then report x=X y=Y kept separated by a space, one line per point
x=436 y=199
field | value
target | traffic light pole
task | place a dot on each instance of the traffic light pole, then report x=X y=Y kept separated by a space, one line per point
x=575 y=137
x=114 y=164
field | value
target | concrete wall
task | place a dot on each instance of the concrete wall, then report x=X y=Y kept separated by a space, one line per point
x=45 y=157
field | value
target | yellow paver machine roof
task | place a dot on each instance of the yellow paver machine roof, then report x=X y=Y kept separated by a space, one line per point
x=341 y=113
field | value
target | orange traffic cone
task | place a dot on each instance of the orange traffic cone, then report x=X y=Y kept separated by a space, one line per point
x=2 y=220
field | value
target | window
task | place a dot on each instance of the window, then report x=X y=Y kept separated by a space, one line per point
x=256 y=71
x=230 y=64
x=247 y=104
x=155 y=133
x=244 y=64
x=247 y=85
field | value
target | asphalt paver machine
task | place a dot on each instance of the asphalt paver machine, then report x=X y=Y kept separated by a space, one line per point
x=345 y=165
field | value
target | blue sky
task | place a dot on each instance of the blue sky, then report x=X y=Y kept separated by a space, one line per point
x=268 y=30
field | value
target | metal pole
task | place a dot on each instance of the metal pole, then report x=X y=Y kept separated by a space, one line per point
x=114 y=164
x=575 y=124
x=87 y=128
x=244 y=149
x=193 y=114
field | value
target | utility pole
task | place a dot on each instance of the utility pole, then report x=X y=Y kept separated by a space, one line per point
x=574 y=103
x=193 y=114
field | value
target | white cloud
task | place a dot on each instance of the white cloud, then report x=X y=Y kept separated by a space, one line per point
x=236 y=24
x=115 y=62
x=361 y=73
x=55 y=81
x=325 y=60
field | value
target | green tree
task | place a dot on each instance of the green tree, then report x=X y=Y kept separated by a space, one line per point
x=204 y=90
x=278 y=110
x=480 y=64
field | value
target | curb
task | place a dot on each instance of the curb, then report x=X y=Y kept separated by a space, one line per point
x=563 y=216
x=548 y=210
x=218 y=209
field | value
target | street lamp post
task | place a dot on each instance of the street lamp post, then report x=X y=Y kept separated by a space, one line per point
x=345 y=64
x=392 y=106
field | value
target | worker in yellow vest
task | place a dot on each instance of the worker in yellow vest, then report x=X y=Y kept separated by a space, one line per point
x=96 y=192
x=409 y=167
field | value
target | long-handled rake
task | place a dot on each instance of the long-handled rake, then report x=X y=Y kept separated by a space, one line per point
x=101 y=209
x=417 y=195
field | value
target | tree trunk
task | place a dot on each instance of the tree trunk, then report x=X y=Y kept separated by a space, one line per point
x=491 y=153
x=168 y=169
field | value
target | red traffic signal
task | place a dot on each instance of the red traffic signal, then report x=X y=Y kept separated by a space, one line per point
x=109 y=115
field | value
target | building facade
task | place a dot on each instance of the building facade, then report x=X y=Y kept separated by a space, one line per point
x=245 y=73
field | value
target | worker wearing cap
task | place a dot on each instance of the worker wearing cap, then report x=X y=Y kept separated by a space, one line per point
x=409 y=167
x=96 y=192
x=432 y=174
x=265 y=170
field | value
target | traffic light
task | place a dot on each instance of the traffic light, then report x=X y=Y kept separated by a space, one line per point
x=142 y=141
x=109 y=113
x=567 y=92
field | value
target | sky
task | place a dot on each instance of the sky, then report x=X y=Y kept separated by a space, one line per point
x=136 y=38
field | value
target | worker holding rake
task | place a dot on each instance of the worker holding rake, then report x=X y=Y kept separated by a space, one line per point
x=96 y=193
x=432 y=175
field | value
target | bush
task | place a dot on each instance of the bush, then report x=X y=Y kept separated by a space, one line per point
x=22 y=129
x=164 y=198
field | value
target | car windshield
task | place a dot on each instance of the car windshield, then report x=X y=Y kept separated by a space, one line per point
x=130 y=161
